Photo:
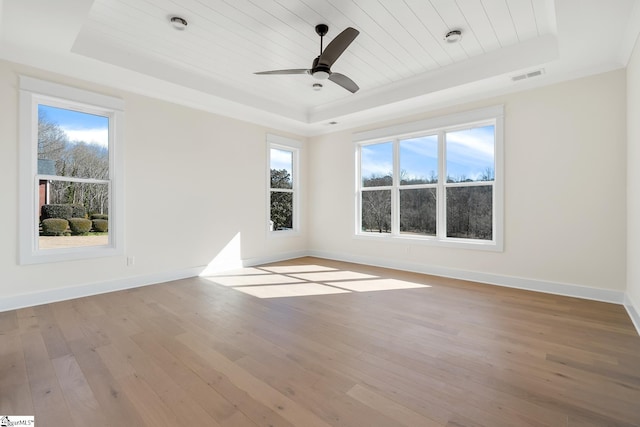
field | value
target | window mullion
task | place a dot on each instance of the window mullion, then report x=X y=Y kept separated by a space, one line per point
x=441 y=204
x=395 y=192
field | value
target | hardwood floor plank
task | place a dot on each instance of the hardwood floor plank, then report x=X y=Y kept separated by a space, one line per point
x=48 y=400
x=77 y=393
x=53 y=338
x=15 y=392
x=331 y=404
x=255 y=410
x=170 y=393
x=114 y=402
x=147 y=403
x=8 y=322
x=27 y=319
x=257 y=389
x=392 y=409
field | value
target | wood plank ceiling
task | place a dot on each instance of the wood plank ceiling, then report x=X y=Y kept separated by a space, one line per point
x=227 y=40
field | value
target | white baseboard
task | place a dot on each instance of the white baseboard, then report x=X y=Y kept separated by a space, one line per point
x=634 y=312
x=62 y=294
x=565 y=289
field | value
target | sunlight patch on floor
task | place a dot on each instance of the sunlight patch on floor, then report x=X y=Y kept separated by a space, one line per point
x=305 y=280
x=241 y=272
x=297 y=290
x=289 y=269
x=252 y=280
x=380 y=284
x=332 y=276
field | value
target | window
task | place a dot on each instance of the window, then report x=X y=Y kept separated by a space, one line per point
x=70 y=173
x=436 y=181
x=283 y=185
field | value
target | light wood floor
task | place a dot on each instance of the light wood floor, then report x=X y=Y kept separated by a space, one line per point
x=425 y=352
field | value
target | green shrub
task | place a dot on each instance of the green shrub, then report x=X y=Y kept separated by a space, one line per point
x=54 y=226
x=56 y=211
x=99 y=216
x=78 y=211
x=79 y=226
x=100 y=225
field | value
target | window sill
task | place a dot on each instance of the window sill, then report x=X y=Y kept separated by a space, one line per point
x=491 y=246
x=283 y=234
x=71 y=254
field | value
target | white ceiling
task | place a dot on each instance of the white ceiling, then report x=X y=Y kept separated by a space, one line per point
x=400 y=59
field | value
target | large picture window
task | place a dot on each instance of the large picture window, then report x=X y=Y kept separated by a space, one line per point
x=283 y=185
x=437 y=181
x=70 y=171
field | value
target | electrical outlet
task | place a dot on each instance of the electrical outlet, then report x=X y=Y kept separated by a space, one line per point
x=130 y=261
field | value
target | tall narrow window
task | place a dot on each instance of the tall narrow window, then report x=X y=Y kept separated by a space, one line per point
x=437 y=181
x=70 y=183
x=377 y=179
x=283 y=185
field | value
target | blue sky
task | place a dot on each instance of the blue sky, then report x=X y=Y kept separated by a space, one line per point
x=469 y=153
x=79 y=126
x=282 y=159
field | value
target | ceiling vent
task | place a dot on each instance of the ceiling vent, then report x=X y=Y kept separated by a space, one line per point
x=529 y=75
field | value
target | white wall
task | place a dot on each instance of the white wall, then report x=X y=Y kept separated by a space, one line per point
x=565 y=173
x=633 y=182
x=193 y=181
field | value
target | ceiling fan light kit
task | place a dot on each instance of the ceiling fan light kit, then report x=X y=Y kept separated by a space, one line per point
x=321 y=66
x=453 y=36
x=178 y=23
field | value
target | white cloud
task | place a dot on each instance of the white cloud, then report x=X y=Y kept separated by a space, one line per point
x=281 y=159
x=90 y=136
x=373 y=164
x=472 y=142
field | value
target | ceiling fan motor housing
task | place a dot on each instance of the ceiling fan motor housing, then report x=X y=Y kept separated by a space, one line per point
x=320 y=71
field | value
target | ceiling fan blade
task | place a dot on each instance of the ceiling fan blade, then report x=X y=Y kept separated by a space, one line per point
x=337 y=46
x=292 y=71
x=344 y=81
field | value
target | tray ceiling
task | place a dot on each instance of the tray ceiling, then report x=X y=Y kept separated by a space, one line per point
x=400 y=60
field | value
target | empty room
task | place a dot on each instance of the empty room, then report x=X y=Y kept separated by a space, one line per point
x=320 y=213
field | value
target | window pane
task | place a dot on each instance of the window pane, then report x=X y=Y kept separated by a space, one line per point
x=73 y=214
x=419 y=160
x=281 y=211
x=72 y=143
x=470 y=154
x=281 y=168
x=376 y=164
x=470 y=212
x=418 y=211
x=376 y=211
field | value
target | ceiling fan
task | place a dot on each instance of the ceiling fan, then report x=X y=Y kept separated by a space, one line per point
x=321 y=67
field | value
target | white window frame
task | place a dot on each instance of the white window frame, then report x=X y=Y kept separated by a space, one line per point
x=294 y=146
x=436 y=126
x=32 y=93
